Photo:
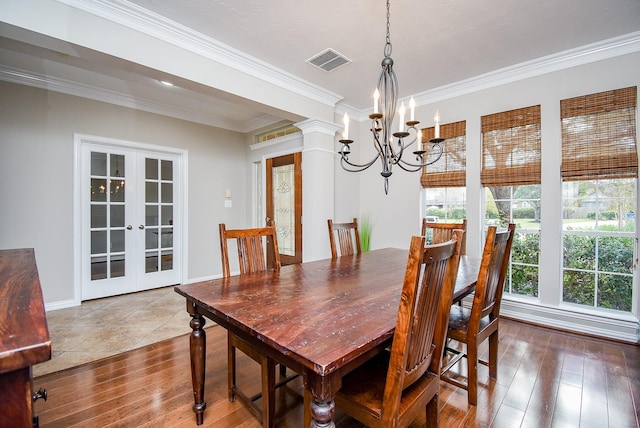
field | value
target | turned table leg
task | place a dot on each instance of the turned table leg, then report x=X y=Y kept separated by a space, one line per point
x=322 y=413
x=197 y=349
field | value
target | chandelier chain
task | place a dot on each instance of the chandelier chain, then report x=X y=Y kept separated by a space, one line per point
x=387 y=46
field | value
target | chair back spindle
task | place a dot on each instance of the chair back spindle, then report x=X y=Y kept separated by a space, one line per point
x=347 y=237
x=252 y=248
x=442 y=232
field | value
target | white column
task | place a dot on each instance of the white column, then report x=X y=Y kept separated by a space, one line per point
x=317 y=186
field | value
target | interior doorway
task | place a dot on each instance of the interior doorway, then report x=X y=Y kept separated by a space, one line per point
x=130 y=205
x=284 y=204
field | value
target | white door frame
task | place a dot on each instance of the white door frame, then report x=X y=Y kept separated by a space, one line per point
x=182 y=203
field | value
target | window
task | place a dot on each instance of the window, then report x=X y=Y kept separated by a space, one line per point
x=511 y=178
x=445 y=180
x=600 y=185
x=521 y=205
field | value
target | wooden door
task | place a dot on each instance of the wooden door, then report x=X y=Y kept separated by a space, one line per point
x=284 y=204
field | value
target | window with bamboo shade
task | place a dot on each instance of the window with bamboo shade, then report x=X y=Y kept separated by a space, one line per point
x=511 y=145
x=450 y=170
x=599 y=135
x=599 y=186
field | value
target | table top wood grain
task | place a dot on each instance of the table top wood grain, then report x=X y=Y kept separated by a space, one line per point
x=24 y=335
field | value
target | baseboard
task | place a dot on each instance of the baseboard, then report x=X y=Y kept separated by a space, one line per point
x=625 y=328
x=60 y=305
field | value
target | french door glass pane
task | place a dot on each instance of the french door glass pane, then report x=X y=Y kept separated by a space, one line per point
x=117 y=215
x=98 y=216
x=151 y=215
x=98 y=163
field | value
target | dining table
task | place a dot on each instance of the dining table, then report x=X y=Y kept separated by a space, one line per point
x=321 y=319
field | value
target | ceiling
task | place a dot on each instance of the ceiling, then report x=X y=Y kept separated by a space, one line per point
x=435 y=44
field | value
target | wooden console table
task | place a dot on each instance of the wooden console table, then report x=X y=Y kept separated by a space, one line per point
x=24 y=336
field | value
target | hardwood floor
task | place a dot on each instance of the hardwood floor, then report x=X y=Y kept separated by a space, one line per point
x=546 y=378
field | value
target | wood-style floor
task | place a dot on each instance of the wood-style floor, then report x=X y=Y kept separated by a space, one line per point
x=546 y=378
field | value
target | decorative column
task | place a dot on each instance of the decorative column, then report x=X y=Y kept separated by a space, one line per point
x=317 y=186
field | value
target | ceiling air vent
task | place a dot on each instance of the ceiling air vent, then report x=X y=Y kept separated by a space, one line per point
x=328 y=60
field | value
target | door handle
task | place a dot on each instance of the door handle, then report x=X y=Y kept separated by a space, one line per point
x=141 y=227
x=129 y=227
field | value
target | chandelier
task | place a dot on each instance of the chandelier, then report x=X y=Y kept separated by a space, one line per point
x=385 y=100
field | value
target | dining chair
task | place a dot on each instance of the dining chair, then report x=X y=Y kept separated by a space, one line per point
x=348 y=238
x=441 y=232
x=394 y=387
x=252 y=247
x=471 y=326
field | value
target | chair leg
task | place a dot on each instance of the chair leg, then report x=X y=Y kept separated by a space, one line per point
x=433 y=405
x=472 y=372
x=493 y=355
x=268 y=392
x=231 y=372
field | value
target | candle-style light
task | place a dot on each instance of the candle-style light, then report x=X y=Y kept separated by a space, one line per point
x=345 y=120
x=376 y=99
x=384 y=109
x=412 y=106
x=436 y=120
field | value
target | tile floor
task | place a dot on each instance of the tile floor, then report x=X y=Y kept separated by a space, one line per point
x=104 y=327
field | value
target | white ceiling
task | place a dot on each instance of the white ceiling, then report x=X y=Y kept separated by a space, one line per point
x=435 y=44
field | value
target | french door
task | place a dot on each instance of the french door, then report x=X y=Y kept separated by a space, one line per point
x=130 y=203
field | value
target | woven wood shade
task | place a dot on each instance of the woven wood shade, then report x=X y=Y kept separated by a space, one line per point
x=599 y=135
x=511 y=148
x=450 y=170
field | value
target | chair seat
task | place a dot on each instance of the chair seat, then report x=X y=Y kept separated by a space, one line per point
x=363 y=390
x=459 y=322
x=470 y=327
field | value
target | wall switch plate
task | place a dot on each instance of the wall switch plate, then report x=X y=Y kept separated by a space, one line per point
x=227 y=203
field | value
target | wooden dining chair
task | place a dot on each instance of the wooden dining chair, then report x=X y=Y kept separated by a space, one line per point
x=471 y=326
x=252 y=246
x=393 y=388
x=348 y=238
x=441 y=232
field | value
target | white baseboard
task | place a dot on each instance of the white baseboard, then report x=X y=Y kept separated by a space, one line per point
x=60 y=305
x=625 y=328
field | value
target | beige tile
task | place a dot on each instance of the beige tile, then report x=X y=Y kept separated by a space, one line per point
x=100 y=328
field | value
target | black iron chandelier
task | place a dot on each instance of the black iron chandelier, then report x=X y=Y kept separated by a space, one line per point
x=385 y=100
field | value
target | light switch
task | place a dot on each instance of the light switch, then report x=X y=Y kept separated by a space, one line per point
x=227 y=203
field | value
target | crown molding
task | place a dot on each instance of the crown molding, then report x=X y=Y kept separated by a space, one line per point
x=139 y=19
x=602 y=50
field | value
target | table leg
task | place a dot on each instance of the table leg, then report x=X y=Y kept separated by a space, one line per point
x=197 y=349
x=322 y=413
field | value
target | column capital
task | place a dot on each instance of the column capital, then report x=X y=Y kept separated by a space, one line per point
x=318 y=125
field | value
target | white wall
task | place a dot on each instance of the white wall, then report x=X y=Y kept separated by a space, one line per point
x=36 y=169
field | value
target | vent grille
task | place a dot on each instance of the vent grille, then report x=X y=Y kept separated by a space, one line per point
x=329 y=60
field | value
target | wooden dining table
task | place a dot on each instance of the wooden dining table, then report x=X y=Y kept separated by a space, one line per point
x=321 y=319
